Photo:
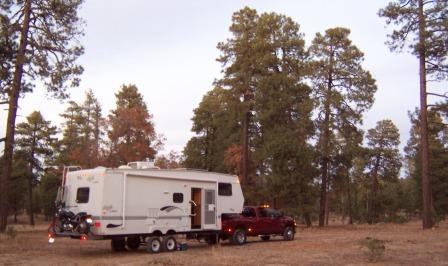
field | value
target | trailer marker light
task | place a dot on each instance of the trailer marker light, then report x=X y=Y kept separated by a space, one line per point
x=97 y=223
x=83 y=237
x=50 y=238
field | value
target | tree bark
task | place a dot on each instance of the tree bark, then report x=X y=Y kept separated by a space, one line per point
x=371 y=213
x=427 y=221
x=371 y=206
x=30 y=200
x=245 y=144
x=12 y=113
x=349 y=197
x=325 y=144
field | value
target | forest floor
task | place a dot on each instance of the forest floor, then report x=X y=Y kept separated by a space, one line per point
x=405 y=244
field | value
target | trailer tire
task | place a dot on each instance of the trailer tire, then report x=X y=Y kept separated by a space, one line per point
x=239 y=237
x=265 y=238
x=154 y=245
x=288 y=233
x=118 y=244
x=133 y=242
x=169 y=243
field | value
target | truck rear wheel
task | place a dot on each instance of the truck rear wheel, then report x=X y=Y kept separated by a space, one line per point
x=118 y=244
x=288 y=233
x=154 y=245
x=239 y=237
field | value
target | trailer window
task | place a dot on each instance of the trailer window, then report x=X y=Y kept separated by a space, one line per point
x=224 y=189
x=82 y=195
x=178 y=197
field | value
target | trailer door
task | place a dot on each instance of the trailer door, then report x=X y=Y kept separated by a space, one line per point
x=209 y=209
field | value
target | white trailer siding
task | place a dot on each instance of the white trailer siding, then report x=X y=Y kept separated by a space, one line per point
x=131 y=201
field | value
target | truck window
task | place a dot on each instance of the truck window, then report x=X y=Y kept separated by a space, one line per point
x=248 y=212
x=269 y=212
x=82 y=195
x=178 y=197
x=224 y=189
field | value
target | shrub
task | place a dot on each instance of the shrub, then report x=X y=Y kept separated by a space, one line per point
x=11 y=233
x=375 y=248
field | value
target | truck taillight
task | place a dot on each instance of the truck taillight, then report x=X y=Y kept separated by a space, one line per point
x=83 y=237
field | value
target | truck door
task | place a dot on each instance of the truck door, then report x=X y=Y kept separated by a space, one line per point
x=209 y=209
x=263 y=221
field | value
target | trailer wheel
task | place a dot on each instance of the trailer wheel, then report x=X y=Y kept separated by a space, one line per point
x=239 y=237
x=118 y=244
x=288 y=233
x=154 y=245
x=265 y=238
x=133 y=242
x=169 y=243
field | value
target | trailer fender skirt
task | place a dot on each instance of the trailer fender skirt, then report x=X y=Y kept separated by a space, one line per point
x=112 y=225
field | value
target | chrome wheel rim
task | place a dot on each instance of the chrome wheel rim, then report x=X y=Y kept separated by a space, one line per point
x=170 y=244
x=155 y=245
x=240 y=237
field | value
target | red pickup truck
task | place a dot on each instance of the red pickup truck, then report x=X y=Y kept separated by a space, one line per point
x=256 y=221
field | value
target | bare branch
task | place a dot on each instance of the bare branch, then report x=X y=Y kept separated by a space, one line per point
x=445 y=95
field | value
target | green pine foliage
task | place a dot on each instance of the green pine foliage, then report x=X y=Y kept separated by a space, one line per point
x=438 y=157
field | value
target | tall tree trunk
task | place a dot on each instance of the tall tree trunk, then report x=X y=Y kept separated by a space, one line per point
x=245 y=144
x=373 y=188
x=323 y=192
x=426 y=183
x=30 y=199
x=349 y=197
x=12 y=113
x=327 y=210
x=307 y=217
x=325 y=144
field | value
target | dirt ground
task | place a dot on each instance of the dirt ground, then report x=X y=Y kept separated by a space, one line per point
x=405 y=244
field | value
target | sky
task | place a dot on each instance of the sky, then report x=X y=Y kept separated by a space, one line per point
x=168 y=50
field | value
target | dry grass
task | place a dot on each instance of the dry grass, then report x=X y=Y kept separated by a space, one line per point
x=406 y=244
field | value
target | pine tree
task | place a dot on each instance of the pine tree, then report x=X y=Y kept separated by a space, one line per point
x=131 y=132
x=282 y=116
x=69 y=148
x=83 y=131
x=216 y=124
x=35 y=138
x=438 y=156
x=240 y=61
x=44 y=35
x=342 y=88
x=423 y=25
x=384 y=159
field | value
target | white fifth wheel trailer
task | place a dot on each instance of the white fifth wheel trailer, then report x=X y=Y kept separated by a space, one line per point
x=139 y=204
